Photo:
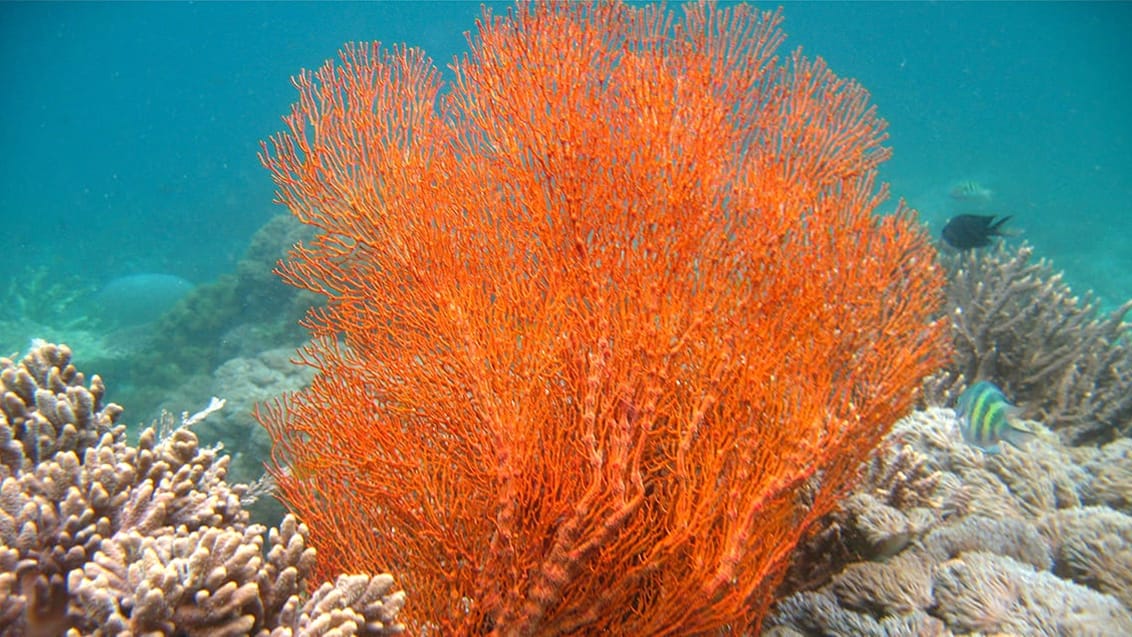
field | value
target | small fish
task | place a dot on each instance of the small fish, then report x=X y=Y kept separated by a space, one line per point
x=973 y=231
x=971 y=191
x=986 y=418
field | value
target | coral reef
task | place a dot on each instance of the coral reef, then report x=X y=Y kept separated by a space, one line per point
x=245 y=382
x=1028 y=542
x=98 y=537
x=598 y=305
x=238 y=315
x=1016 y=323
x=40 y=302
x=39 y=296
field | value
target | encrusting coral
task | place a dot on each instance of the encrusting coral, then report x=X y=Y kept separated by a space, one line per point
x=1014 y=543
x=98 y=537
x=1093 y=545
x=591 y=314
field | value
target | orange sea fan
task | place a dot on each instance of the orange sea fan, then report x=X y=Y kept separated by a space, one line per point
x=610 y=321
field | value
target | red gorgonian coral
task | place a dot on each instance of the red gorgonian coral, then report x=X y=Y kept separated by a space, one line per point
x=610 y=321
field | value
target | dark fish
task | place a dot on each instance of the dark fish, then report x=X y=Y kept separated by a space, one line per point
x=973 y=231
x=986 y=418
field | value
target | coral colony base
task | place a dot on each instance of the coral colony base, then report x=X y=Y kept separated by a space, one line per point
x=943 y=539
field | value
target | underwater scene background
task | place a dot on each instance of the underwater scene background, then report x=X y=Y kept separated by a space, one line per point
x=131 y=131
x=141 y=231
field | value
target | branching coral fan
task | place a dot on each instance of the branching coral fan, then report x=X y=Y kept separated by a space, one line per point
x=610 y=321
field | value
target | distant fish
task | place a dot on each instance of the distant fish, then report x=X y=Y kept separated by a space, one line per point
x=973 y=231
x=138 y=299
x=971 y=191
x=985 y=418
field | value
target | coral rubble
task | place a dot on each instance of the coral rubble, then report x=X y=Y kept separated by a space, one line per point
x=98 y=537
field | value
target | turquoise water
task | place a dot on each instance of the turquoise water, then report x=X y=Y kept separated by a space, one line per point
x=130 y=130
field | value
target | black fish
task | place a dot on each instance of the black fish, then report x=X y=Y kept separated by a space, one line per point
x=973 y=231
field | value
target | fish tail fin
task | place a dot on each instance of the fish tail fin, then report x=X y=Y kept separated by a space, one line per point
x=996 y=227
x=1019 y=435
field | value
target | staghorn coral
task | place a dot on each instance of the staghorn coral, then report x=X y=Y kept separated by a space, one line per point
x=598 y=306
x=353 y=605
x=214 y=582
x=1014 y=321
x=37 y=298
x=98 y=537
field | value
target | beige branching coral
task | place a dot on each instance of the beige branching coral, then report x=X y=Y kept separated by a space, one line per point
x=353 y=605
x=1017 y=323
x=98 y=537
x=47 y=408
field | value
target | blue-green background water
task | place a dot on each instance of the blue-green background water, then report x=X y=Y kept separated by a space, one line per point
x=130 y=130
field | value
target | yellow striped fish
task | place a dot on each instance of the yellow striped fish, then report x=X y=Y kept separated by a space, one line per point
x=986 y=418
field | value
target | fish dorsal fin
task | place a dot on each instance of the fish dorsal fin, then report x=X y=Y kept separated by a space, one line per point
x=996 y=225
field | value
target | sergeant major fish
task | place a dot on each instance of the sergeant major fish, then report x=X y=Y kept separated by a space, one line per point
x=986 y=418
x=971 y=191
